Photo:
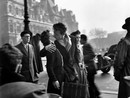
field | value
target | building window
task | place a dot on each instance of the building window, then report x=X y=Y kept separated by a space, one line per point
x=22 y=12
x=11 y=41
x=18 y=27
x=10 y=26
x=10 y=8
x=14 y=25
x=17 y=12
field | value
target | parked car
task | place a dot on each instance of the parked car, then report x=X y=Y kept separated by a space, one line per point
x=104 y=62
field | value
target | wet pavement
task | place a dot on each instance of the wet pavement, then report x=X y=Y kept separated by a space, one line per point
x=106 y=83
x=104 y=95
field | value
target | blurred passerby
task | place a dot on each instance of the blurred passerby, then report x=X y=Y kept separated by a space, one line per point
x=122 y=62
x=10 y=64
x=29 y=67
x=90 y=66
x=35 y=41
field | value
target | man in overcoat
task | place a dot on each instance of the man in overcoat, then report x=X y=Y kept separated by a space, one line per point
x=90 y=66
x=122 y=62
x=29 y=67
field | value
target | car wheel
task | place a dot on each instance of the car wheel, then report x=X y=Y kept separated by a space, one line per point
x=106 y=70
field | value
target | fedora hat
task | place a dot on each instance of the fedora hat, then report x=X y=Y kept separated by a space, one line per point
x=127 y=23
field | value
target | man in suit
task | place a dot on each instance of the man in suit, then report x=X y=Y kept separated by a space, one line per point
x=29 y=67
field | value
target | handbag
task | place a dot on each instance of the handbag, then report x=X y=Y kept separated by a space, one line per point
x=91 y=67
x=117 y=74
x=74 y=90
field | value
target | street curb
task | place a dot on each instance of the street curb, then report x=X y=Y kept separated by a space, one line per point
x=109 y=92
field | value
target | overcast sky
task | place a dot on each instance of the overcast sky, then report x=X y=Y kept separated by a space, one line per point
x=106 y=14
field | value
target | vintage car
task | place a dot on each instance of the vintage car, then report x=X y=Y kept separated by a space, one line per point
x=104 y=62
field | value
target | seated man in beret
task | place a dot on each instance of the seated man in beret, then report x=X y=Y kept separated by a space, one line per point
x=10 y=64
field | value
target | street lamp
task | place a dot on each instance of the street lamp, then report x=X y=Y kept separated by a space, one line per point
x=26 y=18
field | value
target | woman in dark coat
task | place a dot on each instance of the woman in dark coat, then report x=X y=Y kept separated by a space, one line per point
x=54 y=66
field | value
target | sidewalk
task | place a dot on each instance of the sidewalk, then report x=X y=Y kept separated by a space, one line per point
x=108 y=94
x=43 y=78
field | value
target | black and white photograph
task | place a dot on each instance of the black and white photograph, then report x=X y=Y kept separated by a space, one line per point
x=64 y=48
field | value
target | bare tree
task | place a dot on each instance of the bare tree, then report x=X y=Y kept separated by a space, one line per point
x=98 y=33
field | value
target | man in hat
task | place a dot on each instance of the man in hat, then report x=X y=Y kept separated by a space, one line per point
x=29 y=67
x=122 y=62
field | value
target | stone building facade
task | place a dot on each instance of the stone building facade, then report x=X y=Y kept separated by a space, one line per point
x=42 y=15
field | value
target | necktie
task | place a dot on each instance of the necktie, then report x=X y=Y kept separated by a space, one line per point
x=27 y=47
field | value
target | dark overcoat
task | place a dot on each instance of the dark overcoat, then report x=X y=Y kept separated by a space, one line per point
x=122 y=66
x=29 y=68
x=89 y=58
x=55 y=70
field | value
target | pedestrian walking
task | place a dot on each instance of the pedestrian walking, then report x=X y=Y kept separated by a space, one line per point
x=122 y=62
x=90 y=66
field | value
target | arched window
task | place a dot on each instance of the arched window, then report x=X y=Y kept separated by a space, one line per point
x=17 y=12
x=14 y=27
x=9 y=8
x=18 y=27
x=10 y=23
x=22 y=12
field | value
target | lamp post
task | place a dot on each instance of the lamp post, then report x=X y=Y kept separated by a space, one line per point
x=26 y=18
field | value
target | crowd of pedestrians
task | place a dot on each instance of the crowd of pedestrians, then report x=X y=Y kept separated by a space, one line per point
x=70 y=59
